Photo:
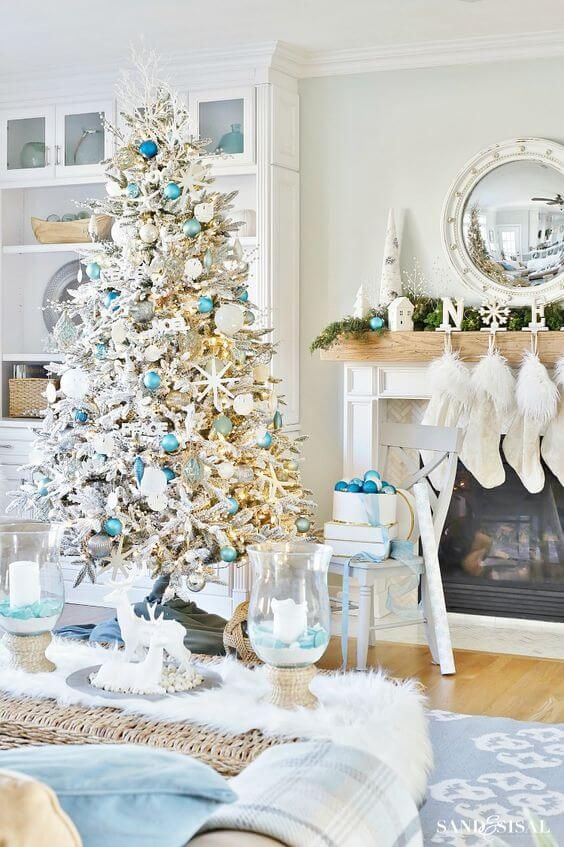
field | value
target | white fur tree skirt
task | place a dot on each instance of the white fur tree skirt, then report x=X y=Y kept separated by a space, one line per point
x=369 y=711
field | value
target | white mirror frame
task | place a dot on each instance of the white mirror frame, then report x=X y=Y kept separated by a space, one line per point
x=516 y=150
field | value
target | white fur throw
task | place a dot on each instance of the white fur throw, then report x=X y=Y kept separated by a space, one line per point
x=367 y=711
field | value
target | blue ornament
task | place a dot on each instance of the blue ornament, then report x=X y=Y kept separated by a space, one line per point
x=101 y=351
x=233 y=506
x=353 y=488
x=193 y=470
x=93 y=270
x=341 y=485
x=388 y=489
x=376 y=322
x=132 y=190
x=369 y=487
x=228 y=554
x=208 y=259
x=222 y=424
x=244 y=296
x=151 y=380
x=302 y=524
x=170 y=442
x=139 y=468
x=113 y=527
x=148 y=149
x=265 y=441
x=81 y=415
x=192 y=227
x=110 y=298
x=205 y=305
x=172 y=191
x=356 y=481
x=169 y=473
x=372 y=475
x=43 y=483
x=277 y=420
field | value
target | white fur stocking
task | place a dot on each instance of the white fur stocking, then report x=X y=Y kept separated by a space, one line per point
x=537 y=399
x=450 y=389
x=493 y=394
x=552 y=448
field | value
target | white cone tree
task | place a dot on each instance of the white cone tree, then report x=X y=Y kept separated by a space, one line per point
x=163 y=445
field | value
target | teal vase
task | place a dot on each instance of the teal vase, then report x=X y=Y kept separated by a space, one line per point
x=33 y=155
x=232 y=142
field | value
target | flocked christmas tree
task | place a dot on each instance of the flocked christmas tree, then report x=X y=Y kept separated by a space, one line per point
x=163 y=446
x=479 y=252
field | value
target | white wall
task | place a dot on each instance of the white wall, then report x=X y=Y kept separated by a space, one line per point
x=397 y=139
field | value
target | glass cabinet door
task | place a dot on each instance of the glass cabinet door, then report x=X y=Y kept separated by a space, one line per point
x=82 y=140
x=26 y=143
x=225 y=119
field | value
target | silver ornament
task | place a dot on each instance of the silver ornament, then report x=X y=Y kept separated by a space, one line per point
x=196 y=581
x=193 y=470
x=99 y=545
x=244 y=473
x=142 y=311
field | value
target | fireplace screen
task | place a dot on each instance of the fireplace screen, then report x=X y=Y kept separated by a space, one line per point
x=502 y=549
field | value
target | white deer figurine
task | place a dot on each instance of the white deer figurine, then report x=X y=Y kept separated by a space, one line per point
x=117 y=674
x=137 y=632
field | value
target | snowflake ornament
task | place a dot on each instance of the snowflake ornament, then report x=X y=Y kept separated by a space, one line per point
x=215 y=381
x=494 y=315
x=117 y=563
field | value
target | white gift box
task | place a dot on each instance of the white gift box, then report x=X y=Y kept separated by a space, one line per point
x=357 y=532
x=369 y=509
x=346 y=548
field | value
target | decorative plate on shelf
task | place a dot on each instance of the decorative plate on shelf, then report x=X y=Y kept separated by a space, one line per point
x=57 y=291
x=80 y=681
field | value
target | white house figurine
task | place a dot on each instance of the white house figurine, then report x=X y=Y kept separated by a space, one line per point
x=400 y=315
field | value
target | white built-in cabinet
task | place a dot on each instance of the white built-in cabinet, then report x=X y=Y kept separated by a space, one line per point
x=52 y=140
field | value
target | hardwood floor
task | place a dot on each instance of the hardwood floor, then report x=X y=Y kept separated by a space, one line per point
x=485 y=683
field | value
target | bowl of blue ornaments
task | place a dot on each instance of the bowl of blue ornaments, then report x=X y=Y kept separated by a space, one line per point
x=365 y=500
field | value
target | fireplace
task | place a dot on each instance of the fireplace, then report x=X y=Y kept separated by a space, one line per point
x=502 y=549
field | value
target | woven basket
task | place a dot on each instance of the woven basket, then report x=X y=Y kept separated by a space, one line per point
x=70 y=232
x=236 y=637
x=27 y=397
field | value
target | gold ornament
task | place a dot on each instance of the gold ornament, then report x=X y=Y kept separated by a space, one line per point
x=177 y=400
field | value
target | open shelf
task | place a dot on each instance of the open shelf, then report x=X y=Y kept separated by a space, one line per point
x=32 y=357
x=47 y=248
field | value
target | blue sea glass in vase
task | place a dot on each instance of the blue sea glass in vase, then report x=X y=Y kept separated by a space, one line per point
x=232 y=142
x=31 y=590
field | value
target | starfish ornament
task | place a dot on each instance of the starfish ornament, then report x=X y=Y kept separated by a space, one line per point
x=216 y=382
x=117 y=563
x=274 y=484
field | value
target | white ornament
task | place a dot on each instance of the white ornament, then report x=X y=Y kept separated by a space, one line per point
x=214 y=380
x=104 y=444
x=243 y=404
x=153 y=481
x=51 y=392
x=193 y=268
x=157 y=502
x=361 y=303
x=203 y=212
x=119 y=332
x=229 y=319
x=390 y=282
x=112 y=501
x=75 y=383
x=400 y=315
x=454 y=312
x=121 y=233
x=148 y=233
x=226 y=470
x=152 y=353
x=113 y=189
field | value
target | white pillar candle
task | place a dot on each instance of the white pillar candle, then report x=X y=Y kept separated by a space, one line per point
x=289 y=620
x=25 y=586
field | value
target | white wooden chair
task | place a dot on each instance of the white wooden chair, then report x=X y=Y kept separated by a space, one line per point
x=439 y=446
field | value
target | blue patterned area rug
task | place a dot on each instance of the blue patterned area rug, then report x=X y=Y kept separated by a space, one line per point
x=488 y=772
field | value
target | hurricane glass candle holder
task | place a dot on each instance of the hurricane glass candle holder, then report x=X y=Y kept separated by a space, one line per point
x=31 y=591
x=289 y=615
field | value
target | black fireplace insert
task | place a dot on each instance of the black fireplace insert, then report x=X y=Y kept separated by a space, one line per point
x=502 y=549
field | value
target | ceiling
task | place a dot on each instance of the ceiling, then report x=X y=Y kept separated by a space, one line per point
x=35 y=35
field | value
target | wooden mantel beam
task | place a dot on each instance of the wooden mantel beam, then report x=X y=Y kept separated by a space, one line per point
x=416 y=347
